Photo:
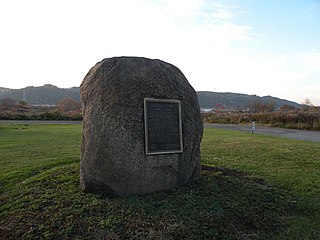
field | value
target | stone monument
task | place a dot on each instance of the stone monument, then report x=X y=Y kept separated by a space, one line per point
x=142 y=127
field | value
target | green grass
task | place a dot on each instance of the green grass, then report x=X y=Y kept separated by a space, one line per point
x=289 y=164
x=29 y=150
x=257 y=187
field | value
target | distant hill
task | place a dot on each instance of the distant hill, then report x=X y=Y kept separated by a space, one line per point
x=47 y=94
x=51 y=95
x=238 y=101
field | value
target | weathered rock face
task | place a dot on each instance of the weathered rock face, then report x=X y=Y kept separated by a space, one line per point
x=113 y=154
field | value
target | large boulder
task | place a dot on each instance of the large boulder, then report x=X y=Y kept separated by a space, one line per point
x=113 y=155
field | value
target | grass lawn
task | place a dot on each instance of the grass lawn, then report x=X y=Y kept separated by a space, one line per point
x=290 y=165
x=252 y=187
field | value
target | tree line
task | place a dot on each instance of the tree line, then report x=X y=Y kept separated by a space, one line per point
x=66 y=109
x=306 y=118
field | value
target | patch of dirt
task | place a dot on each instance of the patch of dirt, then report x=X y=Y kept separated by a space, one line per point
x=237 y=174
x=224 y=171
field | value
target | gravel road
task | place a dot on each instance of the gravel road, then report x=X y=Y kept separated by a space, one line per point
x=313 y=136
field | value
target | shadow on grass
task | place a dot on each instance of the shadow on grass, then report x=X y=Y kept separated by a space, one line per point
x=224 y=204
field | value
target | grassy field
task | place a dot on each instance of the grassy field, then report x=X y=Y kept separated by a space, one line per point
x=252 y=187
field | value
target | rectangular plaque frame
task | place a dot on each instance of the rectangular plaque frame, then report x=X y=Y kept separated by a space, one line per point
x=154 y=125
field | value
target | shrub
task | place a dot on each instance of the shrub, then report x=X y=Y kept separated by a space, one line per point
x=294 y=119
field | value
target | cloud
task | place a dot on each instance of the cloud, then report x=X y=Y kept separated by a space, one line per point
x=58 y=42
x=210 y=15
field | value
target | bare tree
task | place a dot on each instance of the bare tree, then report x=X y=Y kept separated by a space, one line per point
x=307 y=102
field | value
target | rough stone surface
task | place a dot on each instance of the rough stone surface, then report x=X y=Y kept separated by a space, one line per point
x=112 y=152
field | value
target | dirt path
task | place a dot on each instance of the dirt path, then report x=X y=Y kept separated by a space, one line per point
x=313 y=136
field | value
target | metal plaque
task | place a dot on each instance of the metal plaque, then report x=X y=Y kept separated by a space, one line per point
x=163 y=126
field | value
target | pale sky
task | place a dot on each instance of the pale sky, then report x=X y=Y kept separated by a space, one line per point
x=262 y=47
